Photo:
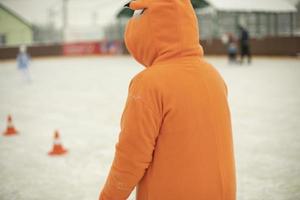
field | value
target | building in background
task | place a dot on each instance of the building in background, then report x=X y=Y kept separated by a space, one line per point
x=261 y=17
x=77 y=27
x=218 y=17
x=297 y=18
x=83 y=33
x=91 y=21
x=14 y=29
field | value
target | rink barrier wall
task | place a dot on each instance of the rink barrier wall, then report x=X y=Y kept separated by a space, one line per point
x=34 y=51
x=271 y=46
x=67 y=49
x=92 y=48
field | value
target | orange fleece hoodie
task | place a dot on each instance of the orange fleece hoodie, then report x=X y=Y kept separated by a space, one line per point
x=175 y=141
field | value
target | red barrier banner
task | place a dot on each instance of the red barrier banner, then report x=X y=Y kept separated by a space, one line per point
x=82 y=48
x=111 y=47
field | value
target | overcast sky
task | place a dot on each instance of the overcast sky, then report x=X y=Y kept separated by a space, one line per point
x=80 y=12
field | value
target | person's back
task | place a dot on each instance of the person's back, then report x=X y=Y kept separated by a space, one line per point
x=193 y=153
x=175 y=141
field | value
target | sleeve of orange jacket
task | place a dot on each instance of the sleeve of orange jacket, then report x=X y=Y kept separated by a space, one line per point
x=139 y=130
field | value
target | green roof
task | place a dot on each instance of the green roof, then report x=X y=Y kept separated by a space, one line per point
x=17 y=16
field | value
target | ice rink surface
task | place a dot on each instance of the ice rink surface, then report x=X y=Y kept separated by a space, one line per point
x=84 y=97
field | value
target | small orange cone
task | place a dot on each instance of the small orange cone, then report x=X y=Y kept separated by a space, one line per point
x=10 y=130
x=58 y=149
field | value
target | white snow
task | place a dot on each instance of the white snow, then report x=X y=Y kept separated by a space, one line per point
x=83 y=98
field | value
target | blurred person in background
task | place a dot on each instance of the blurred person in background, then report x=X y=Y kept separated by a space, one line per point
x=245 y=44
x=175 y=141
x=23 y=61
x=230 y=42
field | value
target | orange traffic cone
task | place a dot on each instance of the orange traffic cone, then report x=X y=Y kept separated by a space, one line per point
x=10 y=130
x=58 y=149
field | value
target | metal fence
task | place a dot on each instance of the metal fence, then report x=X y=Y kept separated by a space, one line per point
x=214 y=24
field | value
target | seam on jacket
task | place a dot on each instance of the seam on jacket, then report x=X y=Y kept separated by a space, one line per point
x=216 y=141
x=137 y=81
x=179 y=25
x=140 y=99
x=153 y=38
x=157 y=129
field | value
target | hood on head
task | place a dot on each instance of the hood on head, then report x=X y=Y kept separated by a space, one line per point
x=166 y=29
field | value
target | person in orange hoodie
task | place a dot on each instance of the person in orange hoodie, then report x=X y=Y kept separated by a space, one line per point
x=176 y=140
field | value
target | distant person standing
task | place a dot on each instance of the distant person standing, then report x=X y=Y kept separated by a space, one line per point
x=245 y=44
x=232 y=48
x=23 y=61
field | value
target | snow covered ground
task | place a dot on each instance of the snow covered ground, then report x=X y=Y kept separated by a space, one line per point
x=83 y=98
